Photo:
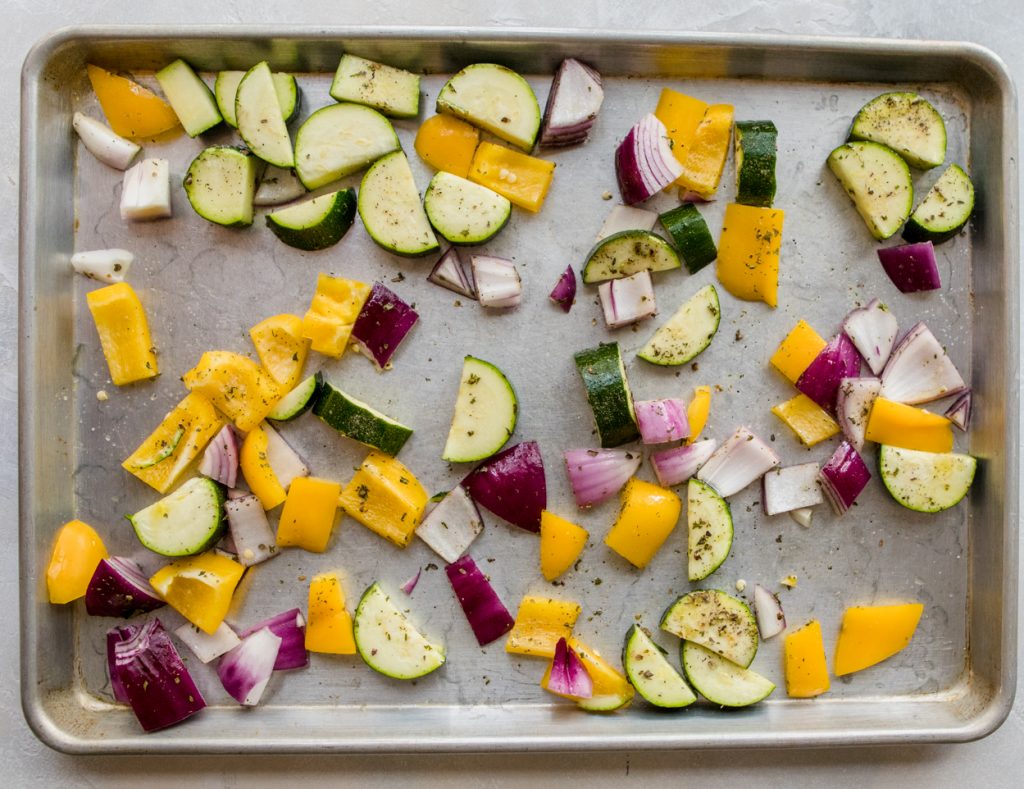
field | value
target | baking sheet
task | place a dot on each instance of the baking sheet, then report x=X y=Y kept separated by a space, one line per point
x=204 y=286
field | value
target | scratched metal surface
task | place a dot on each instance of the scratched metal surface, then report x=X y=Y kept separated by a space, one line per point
x=203 y=287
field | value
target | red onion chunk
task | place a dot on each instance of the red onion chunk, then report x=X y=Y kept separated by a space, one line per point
x=790 y=488
x=451 y=526
x=872 y=329
x=382 y=324
x=853 y=407
x=220 y=460
x=625 y=217
x=153 y=678
x=114 y=636
x=627 y=300
x=598 y=474
x=741 y=460
x=675 y=466
x=119 y=588
x=770 y=618
x=485 y=612
x=497 y=281
x=208 y=646
x=644 y=162
x=837 y=360
x=290 y=627
x=449 y=273
x=573 y=104
x=564 y=292
x=661 y=421
x=843 y=477
x=511 y=484
x=409 y=585
x=568 y=676
x=960 y=412
x=245 y=670
x=919 y=370
x=911 y=267
x=251 y=536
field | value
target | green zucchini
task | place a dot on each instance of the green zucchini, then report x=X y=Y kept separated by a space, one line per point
x=360 y=422
x=185 y=522
x=905 y=122
x=388 y=642
x=690 y=235
x=926 y=481
x=260 y=120
x=944 y=210
x=390 y=208
x=604 y=378
x=220 y=185
x=626 y=253
x=339 y=140
x=720 y=681
x=710 y=530
x=392 y=91
x=649 y=671
x=878 y=181
x=299 y=400
x=688 y=332
x=496 y=99
x=464 y=212
x=317 y=223
x=189 y=97
x=225 y=88
x=716 y=620
x=485 y=413
x=756 y=150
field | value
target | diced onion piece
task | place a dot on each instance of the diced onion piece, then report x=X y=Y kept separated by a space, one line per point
x=853 y=407
x=208 y=646
x=919 y=370
x=484 y=610
x=626 y=217
x=99 y=140
x=573 y=104
x=872 y=329
x=960 y=412
x=497 y=281
x=627 y=300
x=449 y=273
x=251 y=535
x=911 y=267
x=843 y=477
x=410 y=584
x=114 y=636
x=146 y=190
x=742 y=459
x=284 y=461
x=568 y=675
x=245 y=670
x=220 y=460
x=451 y=526
x=644 y=162
x=598 y=474
x=790 y=488
x=770 y=618
x=290 y=627
x=675 y=466
x=661 y=421
x=564 y=292
x=837 y=360
x=382 y=324
x=803 y=516
x=119 y=588
x=511 y=484
x=104 y=265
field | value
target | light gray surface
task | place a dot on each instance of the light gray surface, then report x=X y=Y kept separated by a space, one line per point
x=994 y=25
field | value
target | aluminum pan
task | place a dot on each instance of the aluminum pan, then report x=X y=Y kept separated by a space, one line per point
x=938 y=690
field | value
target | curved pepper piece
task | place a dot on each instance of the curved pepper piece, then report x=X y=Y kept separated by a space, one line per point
x=200 y=587
x=77 y=552
x=131 y=110
x=254 y=462
x=447 y=143
x=240 y=389
x=282 y=348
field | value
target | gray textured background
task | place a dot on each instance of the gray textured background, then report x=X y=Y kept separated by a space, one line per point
x=995 y=24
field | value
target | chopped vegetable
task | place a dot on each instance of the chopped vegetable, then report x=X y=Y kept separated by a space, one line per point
x=690 y=235
x=383 y=322
x=220 y=460
x=911 y=267
x=240 y=389
x=871 y=634
x=628 y=252
x=741 y=460
x=905 y=122
x=627 y=300
x=748 y=252
x=644 y=163
x=907 y=427
x=496 y=99
x=329 y=625
x=598 y=474
x=802 y=516
x=944 y=210
x=77 y=552
x=681 y=115
x=650 y=672
x=611 y=689
x=497 y=281
x=721 y=681
x=715 y=620
x=796 y=352
x=853 y=406
x=103 y=265
x=208 y=646
x=186 y=521
x=124 y=333
x=522 y=179
x=770 y=618
x=705 y=156
x=245 y=670
x=282 y=348
x=756 y=150
x=626 y=217
x=485 y=414
x=807 y=419
x=114 y=636
x=484 y=610
x=661 y=421
x=450 y=527
x=879 y=183
x=675 y=466
x=130 y=109
x=709 y=530
x=393 y=91
x=561 y=543
x=872 y=329
x=332 y=313
x=647 y=516
x=604 y=378
x=820 y=381
x=386 y=498
x=199 y=588
x=146 y=191
x=806 y=669
x=119 y=588
x=790 y=488
x=447 y=143
x=290 y=627
x=573 y=104
x=843 y=477
x=567 y=676
x=511 y=485
x=540 y=623
x=697 y=412
x=308 y=515
x=919 y=370
x=959 y=413
x=449 y=273
x=926 y=481
x=254 y=461
x=411 y=582
x=564 y=292
x=359 y=421
x=389 y=643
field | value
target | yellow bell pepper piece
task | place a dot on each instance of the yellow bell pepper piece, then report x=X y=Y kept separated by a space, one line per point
x=797 y=351
x=540 y=622
x=748 y=252
x=328 y=623
x=681 y=115
x=240 y=389
x=807 y=419
x=447 y=143
x=199 y=587
x=256 y=468
x=870 y=634
x=77 y=551
x=282 y=348
x=608 y=681
x=561 y=543
x=521 y=178
x=697 y=412
x=386 y=498
x=308 y=515
x=705 y=156
x=908 y=427
x=806 y=668
x=648 y=515
x=161 y=459
x=124 y=333
x=332 y=313
x=131 y=110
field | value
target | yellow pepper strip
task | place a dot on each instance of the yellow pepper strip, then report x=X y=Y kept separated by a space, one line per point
x=540 y=622
x=77 y=551
x=131 y=110
x=681 y=115
x=870 y=634
x=240 y=389
x=447 y=143
x=648 y=515
x=282 y=348
x=905 y=426
x=806 y=668
x=521 y=178
x=168 y=451
x=328 y=623
x=255 y=466
x=308 y=515
x=386 y=498
x=199 y=587
x=607 y=680
x=797 y=351
x=748 y=252
x=697 y=412
x=124 y=333
x=332 y=313
x=706 y=154
x=561 y=543
x=807 y=419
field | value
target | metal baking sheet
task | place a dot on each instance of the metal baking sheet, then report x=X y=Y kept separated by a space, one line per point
x=204 y=286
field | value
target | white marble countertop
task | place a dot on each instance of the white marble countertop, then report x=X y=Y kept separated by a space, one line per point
x=25 y=761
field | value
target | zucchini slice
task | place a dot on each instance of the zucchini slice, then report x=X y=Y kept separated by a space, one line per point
x=485 y=413
x=604 y=378
x=317 y=223
x=464 y=212
x=260 y=118
x=878 y=181
x=944 y=210
x=299 y=400
x=225 y=87
x=756 y=151
x=390 y=208
x=388 y=642
x=496 y=99
x=905 y=122
x=626 y=253
x=339 y=140
x=690 y=235
x=278 y=186
x=709 y=525
x=720 y=681
x=185 y=522
x=651 y=674
x=688 y=332
x=393 y=91
x=220 y=185
x=926 y=481
x=716 y=620
x=189 y=97
x=360 y=422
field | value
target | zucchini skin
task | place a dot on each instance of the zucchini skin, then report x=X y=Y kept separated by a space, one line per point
x=690 y=235
x=608 y=394
x=756 y=144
